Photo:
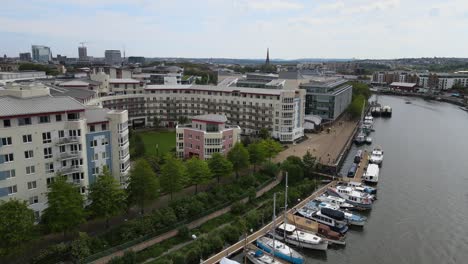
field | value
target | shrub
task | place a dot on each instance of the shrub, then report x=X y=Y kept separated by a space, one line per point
x=238 y=208
x=178 y=258
x=183 y=232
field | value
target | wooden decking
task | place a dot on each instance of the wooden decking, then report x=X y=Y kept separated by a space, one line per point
x=251 y=238
x=362 y=167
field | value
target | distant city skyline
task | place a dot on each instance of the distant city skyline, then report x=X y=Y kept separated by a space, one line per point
x=291 y=29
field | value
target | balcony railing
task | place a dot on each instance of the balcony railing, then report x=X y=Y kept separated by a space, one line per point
x=69 y=155
x=70 y=170
x=67 y=140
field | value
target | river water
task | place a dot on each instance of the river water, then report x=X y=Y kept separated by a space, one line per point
x=421 y=215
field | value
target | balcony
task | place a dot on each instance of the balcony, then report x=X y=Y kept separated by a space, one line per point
x=69 y=155
x=67 y=141
x=70 y=170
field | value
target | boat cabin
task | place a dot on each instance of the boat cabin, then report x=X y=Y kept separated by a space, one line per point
x=358 y=156
x=352 y=170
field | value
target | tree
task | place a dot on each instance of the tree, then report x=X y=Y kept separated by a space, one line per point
x=173 y=175
x=264 y=133
x=356 y=106
x=257 y=154
x=16 y=224
x=65 y=206
x=219 y=166
x=295 y=168
x=309 y=162
x=143 y=185
x=137 y=146
x=361 y=89
x=106 y=196
x=271 y=147
x=198 y=172
x=239 y=157
x=182 y=120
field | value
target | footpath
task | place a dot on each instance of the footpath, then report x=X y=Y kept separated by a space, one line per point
x=191 y=225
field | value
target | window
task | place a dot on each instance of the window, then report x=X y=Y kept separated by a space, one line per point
x=6 y=123
x=105 y=141
x=61 y=133
x=73 y=116
x=10 y=174
x=12 y=189
x=49 y=167
x=95 y=171
x=33 y=199
x=8 y=157
x=44 y=119
x=92 y=128
x=30 y=170
x=83 y=189
x=46 y=138
x=104 y=155
x=49 y=181
x=64 y=163
x=6 y=141
x=96 y=156
x=27 y=138
x=24 y=121
x=104 y=127
x=28 y=154
x=58 y=118
x=62 y=149
x=93 y=143
x=32 y=185
x=47 y=153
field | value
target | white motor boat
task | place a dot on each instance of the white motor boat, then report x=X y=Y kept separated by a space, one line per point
x=376 y=156
x=335 y=212
x=360 y=200
x=335 y=201
x=368 y=140
x=291 y=235
x=372 y=174
x=360 y=138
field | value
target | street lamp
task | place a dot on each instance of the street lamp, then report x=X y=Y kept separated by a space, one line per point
x=194 y=237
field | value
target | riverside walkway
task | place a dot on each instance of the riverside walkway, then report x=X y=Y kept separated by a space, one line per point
x=362 y=167
x=251 y=238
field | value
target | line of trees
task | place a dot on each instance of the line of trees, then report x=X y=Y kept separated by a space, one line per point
x=148 y=177
x=361 y=93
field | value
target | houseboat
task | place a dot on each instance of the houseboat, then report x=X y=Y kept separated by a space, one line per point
x=320 y=230
x=315 y=214
x=290 y=234
x=371 y=175
x=386 y=111
x=340 y=202
x=360 y=200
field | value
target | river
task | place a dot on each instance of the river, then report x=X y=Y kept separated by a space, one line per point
x=421 y=215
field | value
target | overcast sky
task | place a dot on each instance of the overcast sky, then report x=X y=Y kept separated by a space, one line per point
x=239 y=28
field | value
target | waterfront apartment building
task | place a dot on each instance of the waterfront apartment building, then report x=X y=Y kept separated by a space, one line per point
x=42 y=136
x=41 y=53
x=281 y=111
x=205 y=135
x=327 y=97
x=442 y=81
x=388 y=77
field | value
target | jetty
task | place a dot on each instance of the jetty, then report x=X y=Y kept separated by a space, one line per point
x=264 y=230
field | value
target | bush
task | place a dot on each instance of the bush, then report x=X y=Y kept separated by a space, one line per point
x=238 y=208
x=270 y=169
x=80 y=248
x=53 y=254
x=178 y=258
x=183 y=232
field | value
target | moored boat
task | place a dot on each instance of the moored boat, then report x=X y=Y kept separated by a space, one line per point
x=315 y=214
x=320 y=230
x=340 y=202
x=368 y=140
x=290 y=234
x=361 y=187
x=280 y=250
x=338 y=214
x=360 y=138
x=372 y=174
x=360 y=200
x=386 y=111
x=257 y=256
x=376 y=156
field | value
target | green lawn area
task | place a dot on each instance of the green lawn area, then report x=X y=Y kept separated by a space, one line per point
x=165 y=141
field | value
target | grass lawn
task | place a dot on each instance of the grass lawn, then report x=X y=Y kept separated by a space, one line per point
x=163 y=139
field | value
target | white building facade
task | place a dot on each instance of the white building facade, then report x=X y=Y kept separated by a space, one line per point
x=281 y=111
x=42 y=136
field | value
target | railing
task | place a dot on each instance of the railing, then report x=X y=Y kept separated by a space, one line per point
x=67 y=140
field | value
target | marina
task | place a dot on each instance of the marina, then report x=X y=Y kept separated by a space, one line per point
x=364 y=245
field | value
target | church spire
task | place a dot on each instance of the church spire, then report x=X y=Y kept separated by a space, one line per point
x=267 y=62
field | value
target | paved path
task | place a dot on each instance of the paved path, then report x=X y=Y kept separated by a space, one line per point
x=194 y=224
x=362 y=166
x=326 y=147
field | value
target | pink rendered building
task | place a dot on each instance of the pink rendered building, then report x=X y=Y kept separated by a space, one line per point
x=207 y=134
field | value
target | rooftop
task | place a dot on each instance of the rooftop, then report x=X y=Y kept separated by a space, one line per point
x=211 y=118
x=79 y=94
x=14 y=106
x=402 y=84
x=230 y=89
x=95 y=115
x=128 y=80
x=74 y=83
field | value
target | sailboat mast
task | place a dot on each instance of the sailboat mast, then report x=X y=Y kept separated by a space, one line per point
x=285 y=207
x=274 y=223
